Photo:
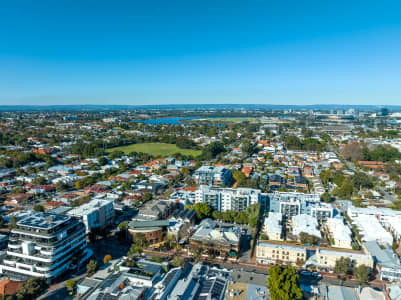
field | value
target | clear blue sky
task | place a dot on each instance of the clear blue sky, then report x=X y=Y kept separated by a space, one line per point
x=163 y=52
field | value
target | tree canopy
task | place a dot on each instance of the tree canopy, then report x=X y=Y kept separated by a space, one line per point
x=283 y=283
x=32 y=288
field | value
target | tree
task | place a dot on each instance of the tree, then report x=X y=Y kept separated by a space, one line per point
x=91 y=268
x=107 y=258
x=238 y=176
x=185 y=143
x=157 y=259
x=116 y=154
x=39 y=208
x=248 y=148
x=79 y=185
x=139 y=242
x=325 y=176
x=346 y=189
x=103 y=161
x=177 y=261
x=203 y=210
x=61 y=187
x=197 y=253
x=253 y=212
x=13 y=222
x=241 y=217
x=217 y=215
x=283 y=283
x=293 y=143
x=352 y=151
x=361 y=180
x=123 y=226
x=326 y=197
x=32 y=288
x=308 y=238
x=343 y=266
x=394 y=245
x=147 y=197
x=39 y=180
x=212 y=150
x=362 y=273
x=356 y=246
x=71 y=284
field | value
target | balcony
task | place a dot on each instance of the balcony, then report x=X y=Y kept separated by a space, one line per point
x=10 y=263
x=14 y=246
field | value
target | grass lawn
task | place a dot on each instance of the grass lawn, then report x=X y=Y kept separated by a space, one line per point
x=156 y=149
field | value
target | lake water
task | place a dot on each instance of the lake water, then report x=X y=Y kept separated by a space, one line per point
x=171 y=121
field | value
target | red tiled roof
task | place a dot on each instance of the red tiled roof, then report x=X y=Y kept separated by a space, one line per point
x=9 y=287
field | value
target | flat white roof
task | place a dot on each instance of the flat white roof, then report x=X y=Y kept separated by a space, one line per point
x=305 y=223
x=272 y=223
x=339 y=230
x=281 y=246
x=371 y=229
x=87 y=208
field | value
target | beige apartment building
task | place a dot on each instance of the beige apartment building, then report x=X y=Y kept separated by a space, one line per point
x=326 y=258
x=271 y=253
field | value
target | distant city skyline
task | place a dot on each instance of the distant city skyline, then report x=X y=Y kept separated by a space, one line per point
x=180 y=52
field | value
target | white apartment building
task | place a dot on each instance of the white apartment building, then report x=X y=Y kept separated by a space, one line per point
x=394 y=225
x=183 y=197
x=224 y=199
x=371 y=230
x=340 y=233
x=97 y=214
x=273 y=227
x=45 y=245
x=386 y=260
x=305 y=223
x=292 y=204
x=383 y=214
x=207 y=175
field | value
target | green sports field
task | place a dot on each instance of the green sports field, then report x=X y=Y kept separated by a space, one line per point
x=156 y=149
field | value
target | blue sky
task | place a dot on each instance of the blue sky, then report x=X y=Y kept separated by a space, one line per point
x=174 y=52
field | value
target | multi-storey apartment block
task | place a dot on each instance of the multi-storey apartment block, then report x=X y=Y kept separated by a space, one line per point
x=271 y=253
x=386 y=260
x=272 y=226
x=339 y=232
x=326 y=258
x=224 y=199
x=98 y=213
x=293 y=204
x=207 y=175
x=45 y=245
